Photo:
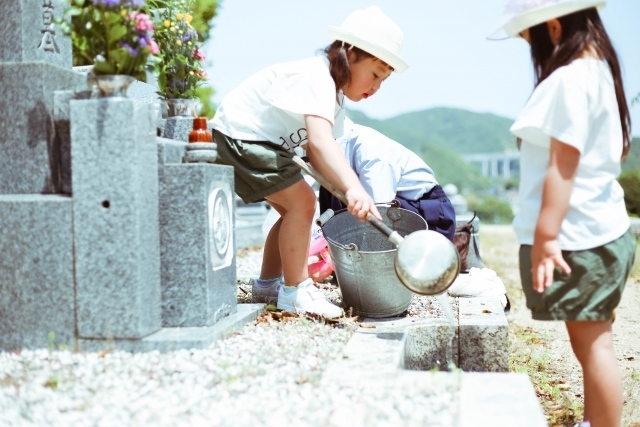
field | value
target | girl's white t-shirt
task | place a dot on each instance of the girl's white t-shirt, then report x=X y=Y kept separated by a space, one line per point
x=576 y=105
x=271 y=104
x=385 y=167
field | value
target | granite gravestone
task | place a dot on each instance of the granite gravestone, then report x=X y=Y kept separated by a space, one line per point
x=28 y=33
x=115 y=209
x=35 y=60
x=36 y=227
x=197 y=239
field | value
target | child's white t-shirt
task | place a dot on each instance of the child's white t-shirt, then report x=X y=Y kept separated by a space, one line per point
x=576 y=105
x=385 y=167
x=271 y=104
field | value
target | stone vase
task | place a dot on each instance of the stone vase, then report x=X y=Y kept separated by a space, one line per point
x=189 y=107
x=111 y=86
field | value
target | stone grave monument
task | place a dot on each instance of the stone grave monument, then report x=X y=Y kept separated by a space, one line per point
x=108 y=239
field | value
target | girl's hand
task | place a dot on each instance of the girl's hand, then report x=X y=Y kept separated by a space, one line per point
x=558 y=185
x=360 y=203
x=545 y=255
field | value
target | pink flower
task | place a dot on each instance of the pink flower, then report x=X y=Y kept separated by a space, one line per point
x=199 y=54
x=203 y=74
x=153 y=47
x=143 y=23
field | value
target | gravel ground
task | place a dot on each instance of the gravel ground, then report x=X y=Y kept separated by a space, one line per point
x=269 y=374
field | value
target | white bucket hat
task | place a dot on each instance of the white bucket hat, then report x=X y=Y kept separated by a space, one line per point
x=522 y=14
x=372 y=31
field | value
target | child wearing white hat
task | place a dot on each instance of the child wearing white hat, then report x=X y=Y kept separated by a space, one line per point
x=576 y=248
x=259 y=124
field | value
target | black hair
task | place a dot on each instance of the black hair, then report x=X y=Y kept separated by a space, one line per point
x=580 y=31
x=336 y=53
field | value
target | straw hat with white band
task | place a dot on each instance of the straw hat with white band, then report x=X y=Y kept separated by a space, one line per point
x=372 y=31
x=523 y=14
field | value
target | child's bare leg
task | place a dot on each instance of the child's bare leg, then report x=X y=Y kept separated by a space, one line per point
x=592 y=343
x=299 y=204
x=271 y=262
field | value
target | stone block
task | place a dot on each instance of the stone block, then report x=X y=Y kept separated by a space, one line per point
x=170 y=151
x=114 y=159
x=197 y=244
x=499 y=400
x=178 y=128
x=171 y=339
x=484 y=335
x=27 y=32
x=369 y=352
x=36 y=271
x=431 y=344
x=30 y=152
x=62 y=125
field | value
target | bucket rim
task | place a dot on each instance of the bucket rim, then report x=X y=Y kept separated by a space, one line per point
x=347 y=248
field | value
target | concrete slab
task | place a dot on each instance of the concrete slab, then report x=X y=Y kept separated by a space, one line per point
x=169 y=339
x=37 y=294
x=382 y=352
x=499 y=400
x=484 y=335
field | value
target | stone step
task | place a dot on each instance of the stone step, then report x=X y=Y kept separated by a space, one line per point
x=383 y=352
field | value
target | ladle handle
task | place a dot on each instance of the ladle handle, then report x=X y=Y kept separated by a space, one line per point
x=393 y=236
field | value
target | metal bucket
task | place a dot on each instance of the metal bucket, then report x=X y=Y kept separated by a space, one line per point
x=363 y=259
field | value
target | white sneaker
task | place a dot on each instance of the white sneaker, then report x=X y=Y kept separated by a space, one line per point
x=307 y=299
x=265 y=294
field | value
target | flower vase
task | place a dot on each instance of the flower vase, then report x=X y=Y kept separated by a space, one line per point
x=111 y=86
x=189 y=107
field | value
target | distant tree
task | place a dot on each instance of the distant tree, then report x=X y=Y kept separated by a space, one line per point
x=630 y=182
x=491 y=209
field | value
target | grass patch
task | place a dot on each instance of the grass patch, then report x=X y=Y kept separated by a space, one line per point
x=635 y=272
x=527 y=355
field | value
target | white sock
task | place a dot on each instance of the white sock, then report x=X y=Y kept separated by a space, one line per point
x=267 y=283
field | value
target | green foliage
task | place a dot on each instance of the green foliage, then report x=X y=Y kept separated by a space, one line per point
x=116 y=36
x=462 y=131
x=205 y=94
x=633 y=159
x=204 y=11
x=179 y=64
x=491 y=209
x=451 y=169
x=630 y=182
x=442 y=135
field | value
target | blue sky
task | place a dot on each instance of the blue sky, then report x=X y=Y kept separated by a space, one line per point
x=451 y=64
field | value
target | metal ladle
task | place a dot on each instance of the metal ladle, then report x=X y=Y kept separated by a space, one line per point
x=426 y=262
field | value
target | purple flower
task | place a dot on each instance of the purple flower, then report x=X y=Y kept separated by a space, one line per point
x=131 y=50
x=143 y=42
x=107 y=3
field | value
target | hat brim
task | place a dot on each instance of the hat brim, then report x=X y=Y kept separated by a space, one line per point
x=397 y=63
x=514 y=24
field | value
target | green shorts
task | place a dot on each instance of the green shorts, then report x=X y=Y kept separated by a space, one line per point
x=260 y=168
x=593 y=288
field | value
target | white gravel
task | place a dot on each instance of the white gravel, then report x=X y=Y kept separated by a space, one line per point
x=267 y=375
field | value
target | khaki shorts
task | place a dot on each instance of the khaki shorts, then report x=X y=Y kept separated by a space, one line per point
x=593 y=288
x=260 y=168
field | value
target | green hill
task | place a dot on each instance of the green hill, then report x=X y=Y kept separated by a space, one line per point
x=463 y=131
x=633 y=160
x=442 y=135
